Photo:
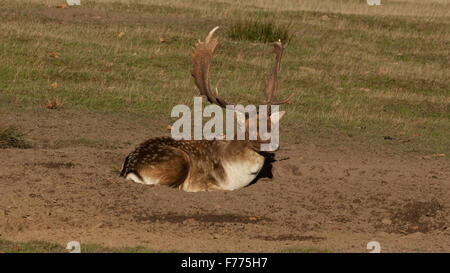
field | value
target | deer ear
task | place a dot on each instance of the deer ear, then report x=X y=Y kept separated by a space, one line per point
x=276 y=116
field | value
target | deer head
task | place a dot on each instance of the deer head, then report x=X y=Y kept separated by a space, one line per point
x=201 y=58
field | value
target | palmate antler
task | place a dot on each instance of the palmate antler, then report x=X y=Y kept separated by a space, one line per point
x=201 y=59
x=272 y=85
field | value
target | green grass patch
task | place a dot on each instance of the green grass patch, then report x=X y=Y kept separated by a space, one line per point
x=256 y=30
x=37 y=246
x=11 y=137
x=30 y=247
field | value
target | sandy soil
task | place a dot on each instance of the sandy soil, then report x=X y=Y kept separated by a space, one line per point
x=320 y=196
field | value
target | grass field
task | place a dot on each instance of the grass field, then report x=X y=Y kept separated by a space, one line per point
x=48 y=247
x=374 y=76
x=359 y=73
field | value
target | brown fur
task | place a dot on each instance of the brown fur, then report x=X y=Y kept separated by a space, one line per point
x=171 y=171
x=193 y=165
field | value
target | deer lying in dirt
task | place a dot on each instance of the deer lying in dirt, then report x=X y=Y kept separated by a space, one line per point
x=204 y=165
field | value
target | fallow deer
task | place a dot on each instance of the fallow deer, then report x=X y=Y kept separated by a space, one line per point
x=204 y=165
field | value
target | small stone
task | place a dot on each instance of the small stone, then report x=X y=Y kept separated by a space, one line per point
x=189 y=221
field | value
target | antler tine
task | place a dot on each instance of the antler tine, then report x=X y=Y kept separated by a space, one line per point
x=272 y=85
x=201 y=59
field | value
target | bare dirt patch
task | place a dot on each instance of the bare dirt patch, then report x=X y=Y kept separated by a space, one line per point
x=335 y=198
x=419 y=216
x=203 y=218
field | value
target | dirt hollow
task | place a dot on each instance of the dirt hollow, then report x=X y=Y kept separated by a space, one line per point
x=321 y=196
